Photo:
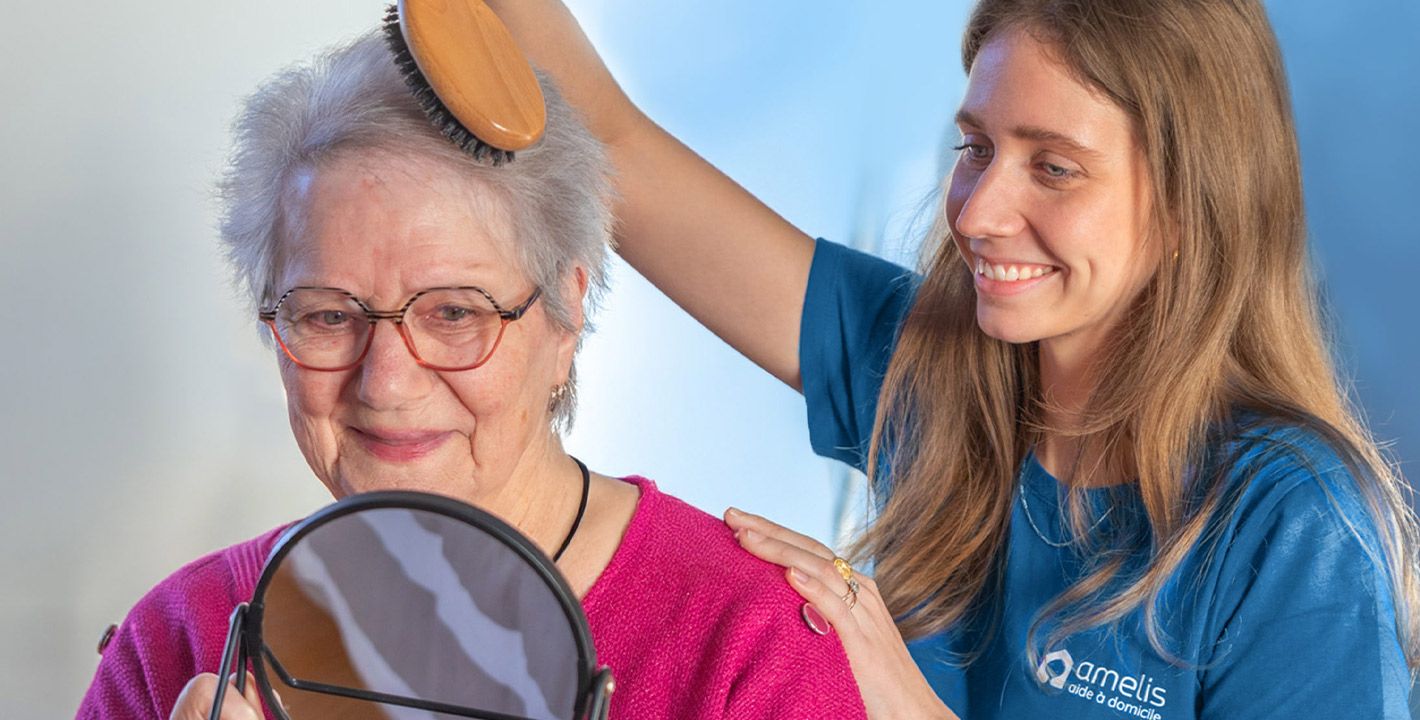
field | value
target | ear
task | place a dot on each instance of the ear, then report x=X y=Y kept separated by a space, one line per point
x=574 y=295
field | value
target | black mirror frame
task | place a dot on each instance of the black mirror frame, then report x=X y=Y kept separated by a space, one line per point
x=244 y=636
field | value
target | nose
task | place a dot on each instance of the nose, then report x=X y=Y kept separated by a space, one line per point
x=987 y=203
x=390 y=378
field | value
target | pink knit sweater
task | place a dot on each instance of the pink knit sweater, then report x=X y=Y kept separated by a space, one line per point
x=691 y=625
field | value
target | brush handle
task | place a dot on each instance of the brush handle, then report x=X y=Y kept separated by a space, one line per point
x=476 y=68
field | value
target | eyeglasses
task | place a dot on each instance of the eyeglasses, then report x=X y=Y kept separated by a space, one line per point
x=449 y=328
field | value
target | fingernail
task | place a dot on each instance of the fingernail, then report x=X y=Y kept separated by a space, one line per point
x=734 y=512
x=798 y=575
x=815 y=619
x=748 y=536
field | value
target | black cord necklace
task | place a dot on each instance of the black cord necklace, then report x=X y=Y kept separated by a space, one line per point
x=581 y=510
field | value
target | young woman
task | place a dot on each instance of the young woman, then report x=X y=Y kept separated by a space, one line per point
x=1117 y=475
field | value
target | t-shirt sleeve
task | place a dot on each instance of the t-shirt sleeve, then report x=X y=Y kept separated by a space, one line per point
x=1306 y=623
x=853 y=307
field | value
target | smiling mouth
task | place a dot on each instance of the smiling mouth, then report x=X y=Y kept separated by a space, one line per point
x=405 y=446
x=1011 y=272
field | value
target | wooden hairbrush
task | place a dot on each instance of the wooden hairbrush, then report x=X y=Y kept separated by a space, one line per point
x=468 y=74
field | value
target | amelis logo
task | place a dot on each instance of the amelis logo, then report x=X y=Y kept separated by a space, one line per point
x=1130 y=695
x=1052 y=678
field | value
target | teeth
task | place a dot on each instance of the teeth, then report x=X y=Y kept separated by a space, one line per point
x=1009 y=273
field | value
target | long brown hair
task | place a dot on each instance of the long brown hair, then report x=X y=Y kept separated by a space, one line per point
x=1229 y=324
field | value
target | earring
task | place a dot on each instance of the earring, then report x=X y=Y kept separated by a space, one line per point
x=559 y=393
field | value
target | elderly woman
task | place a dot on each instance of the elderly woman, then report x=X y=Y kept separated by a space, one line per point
x=345 y=208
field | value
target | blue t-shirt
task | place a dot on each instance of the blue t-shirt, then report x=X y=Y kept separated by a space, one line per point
x=1286 y=615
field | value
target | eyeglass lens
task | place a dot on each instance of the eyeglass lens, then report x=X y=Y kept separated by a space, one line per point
x=328 y=329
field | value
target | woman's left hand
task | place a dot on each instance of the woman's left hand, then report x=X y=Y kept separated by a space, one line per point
x=887 y=676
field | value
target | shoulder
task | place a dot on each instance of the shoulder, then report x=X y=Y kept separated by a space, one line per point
x=1300 y=534
x=174 y=631
x=216 y=581
x=837 y=262
x=682 y=591
x=843 y=280
x=1303 y=580
x=1281 y=473
x=679 y=544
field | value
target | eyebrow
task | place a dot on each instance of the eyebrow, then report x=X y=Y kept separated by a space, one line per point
x=1035 y=133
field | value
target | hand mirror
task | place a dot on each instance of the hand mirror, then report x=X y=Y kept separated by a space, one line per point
x=408 y=606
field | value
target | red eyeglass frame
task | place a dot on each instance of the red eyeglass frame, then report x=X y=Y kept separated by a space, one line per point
x=397 y=317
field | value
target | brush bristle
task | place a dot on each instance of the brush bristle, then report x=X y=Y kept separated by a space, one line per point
x=429 y=102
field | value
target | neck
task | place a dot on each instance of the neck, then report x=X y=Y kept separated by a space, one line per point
x=1066 y=379
x=540 y=495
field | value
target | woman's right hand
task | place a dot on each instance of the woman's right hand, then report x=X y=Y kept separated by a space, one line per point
x=715 y=249
x=891 y=683
x=195 y=701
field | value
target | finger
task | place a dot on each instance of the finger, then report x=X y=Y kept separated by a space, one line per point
x=740 y=521
x=820 y=568
x=869 y=636
x=793 y=556
x=869 y=612
x=252 y=696
x=823 y=597
x=244 y=704
x=873 y=611
x=196 y=699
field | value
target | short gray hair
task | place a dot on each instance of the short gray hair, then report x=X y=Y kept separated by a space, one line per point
x=558 y=192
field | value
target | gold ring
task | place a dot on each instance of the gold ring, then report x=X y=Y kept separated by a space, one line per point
x=843 y=568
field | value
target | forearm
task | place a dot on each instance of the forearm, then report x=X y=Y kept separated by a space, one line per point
x=714 y=248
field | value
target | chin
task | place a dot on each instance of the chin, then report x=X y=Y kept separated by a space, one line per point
x=1006 y=329
x=376 y=476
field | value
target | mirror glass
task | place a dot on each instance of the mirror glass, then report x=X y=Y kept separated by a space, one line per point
x=404 y=603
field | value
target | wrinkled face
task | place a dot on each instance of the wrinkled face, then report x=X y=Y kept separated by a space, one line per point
x=385 y=228
x=1048 y=201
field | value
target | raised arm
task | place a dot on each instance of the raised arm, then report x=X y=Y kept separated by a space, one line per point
x=716 y=250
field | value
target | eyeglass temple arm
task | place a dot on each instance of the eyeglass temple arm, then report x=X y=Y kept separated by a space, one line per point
x=519 y=311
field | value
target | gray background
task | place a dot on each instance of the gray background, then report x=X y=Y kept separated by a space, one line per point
x=142 y=423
